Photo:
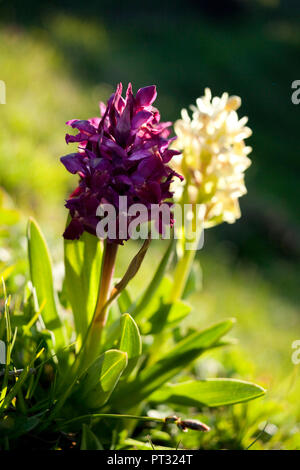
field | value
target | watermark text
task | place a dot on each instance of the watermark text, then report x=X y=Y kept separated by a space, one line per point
x=2 y=92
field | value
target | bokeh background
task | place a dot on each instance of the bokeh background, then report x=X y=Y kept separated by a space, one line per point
x=59 y=58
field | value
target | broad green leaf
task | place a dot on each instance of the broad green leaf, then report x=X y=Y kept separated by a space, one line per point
x=159 y=314
x=111 y=335
x=182 y=355
x=210 y=392
x=166 y=316
x=179 y=310
x=89 y=441
x=100 y=379
x=161 y=295
x=130 y=341
x=42 y=280
x=82 y=273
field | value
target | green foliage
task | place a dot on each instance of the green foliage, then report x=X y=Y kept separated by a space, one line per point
x=89 y=440
x=172 y=363
x=130 y=341
x=131 y=373
x=98 y=382
x=42 y=281
x=210 y=392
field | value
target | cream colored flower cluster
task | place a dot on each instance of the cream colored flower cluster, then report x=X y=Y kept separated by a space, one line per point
x=214 y=156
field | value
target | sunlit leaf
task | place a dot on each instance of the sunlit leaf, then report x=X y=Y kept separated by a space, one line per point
x=100 y=379
x=42 y=280
x=130 y=341
x=210 y=392
x=183 y=354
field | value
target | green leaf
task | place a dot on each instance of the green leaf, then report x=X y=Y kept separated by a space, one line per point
x=210 y=392
x=167 y=316
x=157 y=301
x=130 y=342
x=159 y=314
x=89 y=441
x=182 y=355
x=100 y=379
x=179 y=310
x=82 y=274
x=42 y=280
x=124 y=301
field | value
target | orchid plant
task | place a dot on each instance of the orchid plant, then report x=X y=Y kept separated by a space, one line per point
x=90 y=381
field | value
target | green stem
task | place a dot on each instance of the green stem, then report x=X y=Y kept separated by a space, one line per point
x=181 y=423
x=191 y=236
x=182 y=272
x=92 y=344
x=113 y=416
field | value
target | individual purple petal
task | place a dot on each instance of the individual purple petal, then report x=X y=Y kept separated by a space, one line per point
x=140 y=119
x=150 y=192
x=74 y=230
x=161 y=128
x=83 y=126
x=73 y=162
x=113 y=148
x=102 y=107
x=94 y=121
x=145 y=96
x=152 y=167
x=169 y=154
x=140 y=154
x=75 y=138
x=90 y=154
x=123 y=125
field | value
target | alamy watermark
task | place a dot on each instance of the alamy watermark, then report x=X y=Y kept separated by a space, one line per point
x=2 y=353
x=296 y=94
x=131 y=222
x=2 y=92
x=296 y=353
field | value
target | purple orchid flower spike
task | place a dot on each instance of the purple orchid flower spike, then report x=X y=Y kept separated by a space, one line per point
x=123 y=152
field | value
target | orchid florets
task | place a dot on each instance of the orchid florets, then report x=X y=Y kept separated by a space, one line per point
x=125 y=152
x=214 y=156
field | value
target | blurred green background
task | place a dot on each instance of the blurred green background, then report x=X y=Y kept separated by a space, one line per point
x=59 y=58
